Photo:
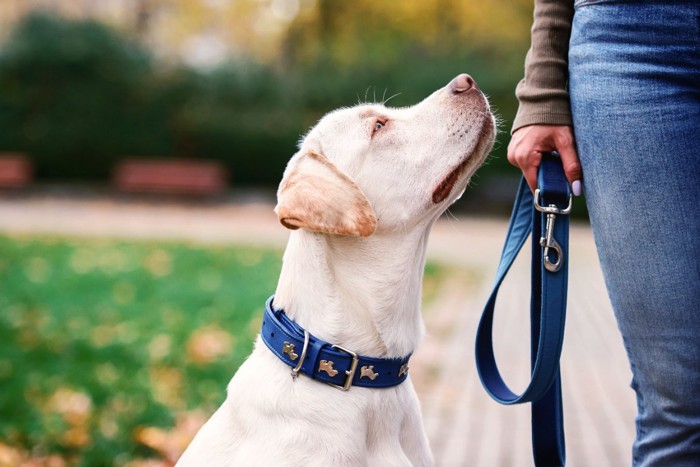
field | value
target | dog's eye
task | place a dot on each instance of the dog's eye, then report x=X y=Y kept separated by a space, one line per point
x=379 y=123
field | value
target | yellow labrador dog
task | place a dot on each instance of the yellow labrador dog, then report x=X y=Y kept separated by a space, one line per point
x=360 y=197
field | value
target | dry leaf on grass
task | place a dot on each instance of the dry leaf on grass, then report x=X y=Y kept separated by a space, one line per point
x=207 y=344
x=172 y=443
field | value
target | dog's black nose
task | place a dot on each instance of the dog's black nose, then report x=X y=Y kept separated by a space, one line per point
x=462 y=83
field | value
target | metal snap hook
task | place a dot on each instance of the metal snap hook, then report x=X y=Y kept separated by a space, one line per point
x=550 y=243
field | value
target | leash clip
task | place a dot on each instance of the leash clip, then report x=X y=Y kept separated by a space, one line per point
x=548 y=242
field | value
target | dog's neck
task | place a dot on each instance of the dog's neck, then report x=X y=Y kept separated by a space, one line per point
x=360 y=293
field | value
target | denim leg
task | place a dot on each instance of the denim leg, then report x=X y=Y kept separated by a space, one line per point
x=634 y=77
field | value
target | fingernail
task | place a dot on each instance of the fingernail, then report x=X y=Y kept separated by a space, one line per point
x=576 y=187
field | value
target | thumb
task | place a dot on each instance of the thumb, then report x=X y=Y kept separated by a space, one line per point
x=571 y=164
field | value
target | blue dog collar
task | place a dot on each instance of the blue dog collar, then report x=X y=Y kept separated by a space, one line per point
x=325 y=362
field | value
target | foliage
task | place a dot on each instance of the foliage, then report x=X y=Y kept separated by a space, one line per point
x=69 y=92
x=77 y=95
x=243 y=114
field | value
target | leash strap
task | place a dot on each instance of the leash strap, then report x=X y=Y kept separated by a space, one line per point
x=323 y=361
x=546 y=216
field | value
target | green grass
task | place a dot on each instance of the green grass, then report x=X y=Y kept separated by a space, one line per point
x=110 y=351
x=99 y=339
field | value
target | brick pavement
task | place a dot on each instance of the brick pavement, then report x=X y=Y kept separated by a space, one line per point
x=465 y=427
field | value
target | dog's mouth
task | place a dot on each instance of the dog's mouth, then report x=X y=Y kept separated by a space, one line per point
x=472 y=160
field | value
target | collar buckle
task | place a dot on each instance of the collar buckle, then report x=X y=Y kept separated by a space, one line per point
x=349 y=374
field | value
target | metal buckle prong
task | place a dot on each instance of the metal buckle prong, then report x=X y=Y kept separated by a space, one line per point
x=297 y=369
x=349 y=374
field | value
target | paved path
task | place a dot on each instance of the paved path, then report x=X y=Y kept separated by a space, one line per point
x=465 y=427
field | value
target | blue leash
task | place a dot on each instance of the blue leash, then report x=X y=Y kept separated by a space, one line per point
x=546 y=216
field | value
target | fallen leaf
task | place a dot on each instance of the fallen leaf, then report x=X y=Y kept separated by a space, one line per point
x=207 y=344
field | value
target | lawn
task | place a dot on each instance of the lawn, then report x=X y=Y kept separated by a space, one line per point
x=114 y=352
x=106 y=345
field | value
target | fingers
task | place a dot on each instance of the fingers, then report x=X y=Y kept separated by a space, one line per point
x=524 y=153
x=528 y=143
x=530 y=166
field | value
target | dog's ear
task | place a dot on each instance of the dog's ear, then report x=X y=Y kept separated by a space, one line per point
x=316 y=195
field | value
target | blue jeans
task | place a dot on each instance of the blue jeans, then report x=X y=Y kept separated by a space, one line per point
x=634 y=78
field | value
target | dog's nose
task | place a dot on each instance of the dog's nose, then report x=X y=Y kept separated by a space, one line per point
x=462 y=83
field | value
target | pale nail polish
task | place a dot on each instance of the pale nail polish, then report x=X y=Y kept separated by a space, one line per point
x=576 y=187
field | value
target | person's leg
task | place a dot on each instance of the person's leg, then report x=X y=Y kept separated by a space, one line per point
x=634 y=77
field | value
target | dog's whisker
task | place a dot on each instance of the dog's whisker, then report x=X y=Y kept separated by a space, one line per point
x=367 y=92
x=451 y=219
x=390 y=98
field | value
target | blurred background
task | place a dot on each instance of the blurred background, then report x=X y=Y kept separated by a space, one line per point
x=87 y=84
x=141 y=144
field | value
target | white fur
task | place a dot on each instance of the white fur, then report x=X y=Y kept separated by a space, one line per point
x=360 y=292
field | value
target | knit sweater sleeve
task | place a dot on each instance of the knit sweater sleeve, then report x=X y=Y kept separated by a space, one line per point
x=542 y=93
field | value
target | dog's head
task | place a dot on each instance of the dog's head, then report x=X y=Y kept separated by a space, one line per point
x=371 y=168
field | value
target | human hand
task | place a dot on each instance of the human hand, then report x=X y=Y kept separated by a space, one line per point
x=529 y=142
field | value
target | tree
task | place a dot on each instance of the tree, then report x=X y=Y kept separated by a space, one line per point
x=69 y=91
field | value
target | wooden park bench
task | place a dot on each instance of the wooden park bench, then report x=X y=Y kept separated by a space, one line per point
x=16 y=170
x=170 y=176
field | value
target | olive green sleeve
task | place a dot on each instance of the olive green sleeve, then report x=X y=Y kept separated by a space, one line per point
x=542 y=93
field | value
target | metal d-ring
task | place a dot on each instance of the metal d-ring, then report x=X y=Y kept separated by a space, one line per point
x=297 y=369
x=551 y=209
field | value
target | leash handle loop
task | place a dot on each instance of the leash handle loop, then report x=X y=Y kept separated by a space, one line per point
x=545 y=216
